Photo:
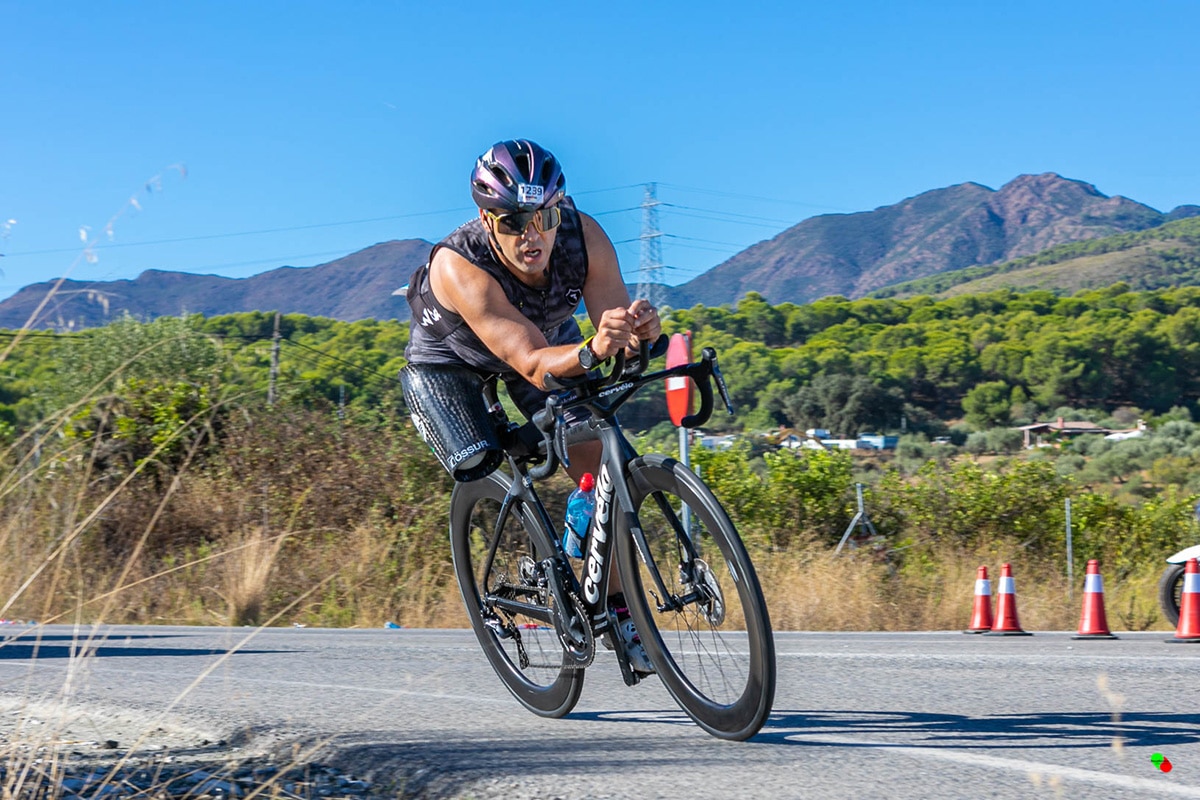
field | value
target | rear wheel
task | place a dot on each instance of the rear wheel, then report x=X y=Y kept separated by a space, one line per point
x=1170 y=592
x=508 y=603
x=710 y=639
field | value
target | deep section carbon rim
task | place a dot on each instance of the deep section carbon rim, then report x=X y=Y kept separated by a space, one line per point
x=508 y=603
x=710 y=639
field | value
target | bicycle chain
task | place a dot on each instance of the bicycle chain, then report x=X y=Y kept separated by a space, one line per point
x=567 y=662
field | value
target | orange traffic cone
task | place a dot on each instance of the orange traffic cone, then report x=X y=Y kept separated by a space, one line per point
x=1006 y=607
x=1093 y=624
x=1188 y=629
x=981 y=618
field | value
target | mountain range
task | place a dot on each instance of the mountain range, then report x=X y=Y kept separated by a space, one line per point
x=358 y=286
x=939 y=231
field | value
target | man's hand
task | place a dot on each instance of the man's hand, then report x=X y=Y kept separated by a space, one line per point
x=646 y=327
x=614 y=332
x=625 y=328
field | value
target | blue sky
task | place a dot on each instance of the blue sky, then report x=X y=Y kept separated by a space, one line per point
x=310 y=130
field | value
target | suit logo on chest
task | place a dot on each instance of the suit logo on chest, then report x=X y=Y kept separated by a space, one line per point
x=574 y=295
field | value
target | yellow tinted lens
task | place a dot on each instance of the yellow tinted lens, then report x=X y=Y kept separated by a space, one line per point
x=544 y=219
x=550 y=219
x=514 y=224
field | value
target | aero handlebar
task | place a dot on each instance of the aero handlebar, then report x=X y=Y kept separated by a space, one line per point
x=551 y=423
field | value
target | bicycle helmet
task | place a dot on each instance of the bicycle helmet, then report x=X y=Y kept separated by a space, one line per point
x=516 y=175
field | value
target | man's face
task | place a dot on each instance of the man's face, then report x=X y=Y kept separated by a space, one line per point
x=527 y=253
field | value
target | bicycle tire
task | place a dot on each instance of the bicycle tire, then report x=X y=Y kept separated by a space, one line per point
x=525 y=652
x=1170 y=592
x=718 y=663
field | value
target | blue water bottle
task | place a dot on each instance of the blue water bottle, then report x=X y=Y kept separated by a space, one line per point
x=580 y=506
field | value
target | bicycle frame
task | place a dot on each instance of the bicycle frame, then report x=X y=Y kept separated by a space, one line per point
x=612 y=495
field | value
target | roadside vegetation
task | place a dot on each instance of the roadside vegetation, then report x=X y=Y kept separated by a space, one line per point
x=157 y=473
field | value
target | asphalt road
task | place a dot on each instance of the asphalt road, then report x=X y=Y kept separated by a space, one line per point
x=920 y=715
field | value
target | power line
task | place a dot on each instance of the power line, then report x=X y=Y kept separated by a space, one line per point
x=274 y=260
x=706 y=241
x=609 y=189
x=43 y=335
x=204 y=237
x=725 y=251
x=614 y=211
x=756 y=197
x=352 y=365
x=733 y=217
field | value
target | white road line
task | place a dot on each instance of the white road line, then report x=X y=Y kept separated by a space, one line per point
x=1162 y=787
x=1141 y=658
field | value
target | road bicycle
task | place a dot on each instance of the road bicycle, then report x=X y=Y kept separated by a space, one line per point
x=689 y=583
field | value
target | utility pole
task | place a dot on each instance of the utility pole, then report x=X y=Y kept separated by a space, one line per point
x=274 y=363
x=650 y=269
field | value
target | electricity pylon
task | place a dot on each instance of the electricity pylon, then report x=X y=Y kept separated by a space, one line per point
x=650 y=270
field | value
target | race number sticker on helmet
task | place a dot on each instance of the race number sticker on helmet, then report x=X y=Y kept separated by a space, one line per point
x=530 y=193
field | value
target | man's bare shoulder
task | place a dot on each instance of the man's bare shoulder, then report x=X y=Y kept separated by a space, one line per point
x=457 y=283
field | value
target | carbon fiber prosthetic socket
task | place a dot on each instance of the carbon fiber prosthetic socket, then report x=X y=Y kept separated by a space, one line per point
x=447 y=406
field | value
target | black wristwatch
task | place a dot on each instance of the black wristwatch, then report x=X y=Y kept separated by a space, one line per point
x=587 y=356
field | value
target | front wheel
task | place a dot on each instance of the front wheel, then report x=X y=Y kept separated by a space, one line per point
x=507 y=599
x=1170 y=592
x=710 y=639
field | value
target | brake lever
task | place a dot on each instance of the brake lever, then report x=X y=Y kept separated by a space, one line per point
x=560 y=439
x=710 y=355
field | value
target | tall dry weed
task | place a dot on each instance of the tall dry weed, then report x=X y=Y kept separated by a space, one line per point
x=248 y=568
x=819 y=590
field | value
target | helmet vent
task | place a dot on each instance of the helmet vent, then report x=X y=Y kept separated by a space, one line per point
x=524 y=166
x=501 y=175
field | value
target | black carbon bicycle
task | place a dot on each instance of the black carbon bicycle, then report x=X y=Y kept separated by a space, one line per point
x=689 y=583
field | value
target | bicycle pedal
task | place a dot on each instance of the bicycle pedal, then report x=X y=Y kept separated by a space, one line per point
x=611 y=640
x=630 y=677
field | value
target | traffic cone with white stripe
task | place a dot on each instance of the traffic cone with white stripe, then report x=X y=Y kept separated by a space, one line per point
x=1188 y=629
x=981 y=617
x=1093 y=624
x=1006 y=607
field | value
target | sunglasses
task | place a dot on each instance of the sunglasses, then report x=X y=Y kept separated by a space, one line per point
x=544 y=219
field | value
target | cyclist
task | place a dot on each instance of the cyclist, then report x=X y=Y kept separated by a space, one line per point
x=499 y=295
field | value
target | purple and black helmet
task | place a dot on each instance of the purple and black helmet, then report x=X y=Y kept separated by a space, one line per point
x=517 y=175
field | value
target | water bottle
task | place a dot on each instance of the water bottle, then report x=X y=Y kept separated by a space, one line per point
x=580 y=506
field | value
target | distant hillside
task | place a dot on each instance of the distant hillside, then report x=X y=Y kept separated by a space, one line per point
x=934 y=232
x=1168 y=255
x=358 y=286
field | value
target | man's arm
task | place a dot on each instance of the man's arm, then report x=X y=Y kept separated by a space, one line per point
x=607 y=298
x=479 y=299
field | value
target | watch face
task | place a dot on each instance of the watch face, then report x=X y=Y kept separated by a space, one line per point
x=587 y=359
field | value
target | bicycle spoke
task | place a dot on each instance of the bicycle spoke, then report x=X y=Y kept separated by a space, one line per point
x=710 y=639
x=507 y=598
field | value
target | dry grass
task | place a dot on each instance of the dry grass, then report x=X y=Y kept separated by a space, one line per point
x=291 y=499
x=816 y=590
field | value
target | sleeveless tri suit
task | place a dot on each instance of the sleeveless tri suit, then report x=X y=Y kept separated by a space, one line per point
x=438 y=336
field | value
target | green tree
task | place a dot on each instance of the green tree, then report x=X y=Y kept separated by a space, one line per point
x=165 y=351
x=988 y=404
x=844 y=404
